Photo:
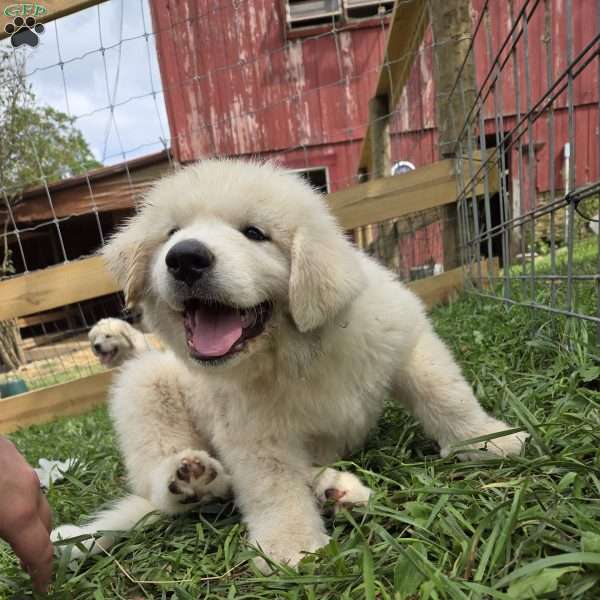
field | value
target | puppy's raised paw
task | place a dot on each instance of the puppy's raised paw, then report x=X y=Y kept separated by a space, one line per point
x=197 y=477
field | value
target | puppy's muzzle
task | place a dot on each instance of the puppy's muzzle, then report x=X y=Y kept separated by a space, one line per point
x=189 y=260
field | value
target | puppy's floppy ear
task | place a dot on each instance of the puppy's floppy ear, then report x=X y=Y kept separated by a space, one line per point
x=127 y=255
x=127 y=339
x=325 y=276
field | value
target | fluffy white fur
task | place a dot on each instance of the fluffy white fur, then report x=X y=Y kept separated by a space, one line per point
x=344 y=335
x=113 y=341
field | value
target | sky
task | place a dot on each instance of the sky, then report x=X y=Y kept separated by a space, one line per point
x=124 y=77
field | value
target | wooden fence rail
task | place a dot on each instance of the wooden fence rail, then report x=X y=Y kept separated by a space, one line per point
x=79 y=396
x=375 y=201
x=48 y=289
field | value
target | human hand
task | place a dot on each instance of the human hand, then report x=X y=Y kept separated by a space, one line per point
x=25 y=517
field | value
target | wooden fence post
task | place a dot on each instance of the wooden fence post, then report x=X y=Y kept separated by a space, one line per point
x=381 y=165
x=379 y=110
x=451 y=24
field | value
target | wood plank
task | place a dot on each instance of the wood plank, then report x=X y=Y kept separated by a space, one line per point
x=408 y=23
x=55 y=287
x=43 y=12
x=48 y=404
x=397 y=196
x=391 y=197
x=446 y=286
x=45 y=317
x=439 y=288
x=77 y=397
x=367 y=203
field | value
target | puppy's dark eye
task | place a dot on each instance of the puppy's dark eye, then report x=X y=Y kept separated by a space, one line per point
x=173 y=231
x=255 y=234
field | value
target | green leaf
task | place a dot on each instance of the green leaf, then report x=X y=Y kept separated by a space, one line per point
x=407 y=578
x=590 y=541
x=589 y=374
x=543 y=582
x=368 y=574
x=567 y=481
x=580 y=558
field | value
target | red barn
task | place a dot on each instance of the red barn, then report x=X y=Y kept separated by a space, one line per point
x=291 y=79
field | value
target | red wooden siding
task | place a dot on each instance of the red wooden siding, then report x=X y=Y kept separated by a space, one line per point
x=235 y=86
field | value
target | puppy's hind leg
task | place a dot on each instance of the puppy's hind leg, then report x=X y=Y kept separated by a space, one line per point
x=432 y=386
x=123 y=515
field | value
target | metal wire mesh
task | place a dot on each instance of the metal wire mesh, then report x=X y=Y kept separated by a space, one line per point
x=525 y=203
x=534 y=126
x=49 y=222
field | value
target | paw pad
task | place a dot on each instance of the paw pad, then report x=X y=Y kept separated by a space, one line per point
x=334 y=495
x=190 y=469
x=24 y=31
x=193 y=475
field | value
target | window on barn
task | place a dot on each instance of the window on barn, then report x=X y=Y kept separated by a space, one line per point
x=316 y=176
x=367 y=9
x=311 y=13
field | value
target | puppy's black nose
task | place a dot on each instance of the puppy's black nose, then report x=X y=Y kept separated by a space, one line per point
x=188 y=260
x=97 y=347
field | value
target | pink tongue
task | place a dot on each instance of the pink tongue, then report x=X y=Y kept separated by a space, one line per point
x=214 y=330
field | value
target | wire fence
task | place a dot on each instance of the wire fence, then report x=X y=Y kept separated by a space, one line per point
x=312 y=84
x=238 y=80
x=534 y=119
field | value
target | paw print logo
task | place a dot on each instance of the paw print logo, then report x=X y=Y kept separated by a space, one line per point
x=24 y=31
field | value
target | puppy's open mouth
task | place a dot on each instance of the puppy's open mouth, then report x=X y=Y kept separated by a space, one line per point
x=106 y=356
x=215 y=331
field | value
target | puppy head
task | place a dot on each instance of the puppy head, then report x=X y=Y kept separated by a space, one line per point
x=110 y=342
x=224 y=252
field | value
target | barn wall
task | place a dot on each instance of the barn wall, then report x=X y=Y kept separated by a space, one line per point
x=236 y=86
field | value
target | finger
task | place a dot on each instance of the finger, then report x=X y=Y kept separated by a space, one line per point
x=45 y=513
x=34 y=548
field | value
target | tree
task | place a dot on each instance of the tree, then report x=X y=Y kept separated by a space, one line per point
x=39 y=144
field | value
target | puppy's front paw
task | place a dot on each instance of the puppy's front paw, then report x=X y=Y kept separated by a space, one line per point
x=189 y=477
x=287 y=549
x=508 y=445
x=198 y=477
x=340 y=489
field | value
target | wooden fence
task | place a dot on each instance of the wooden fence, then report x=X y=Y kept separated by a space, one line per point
x=48 y=289
x=381 y=199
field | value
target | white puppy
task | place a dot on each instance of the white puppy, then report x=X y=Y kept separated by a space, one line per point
x=114 y=341
x=286 y=342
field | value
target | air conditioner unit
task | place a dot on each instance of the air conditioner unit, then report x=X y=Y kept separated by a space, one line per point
x=305 y=13
x=365 y=9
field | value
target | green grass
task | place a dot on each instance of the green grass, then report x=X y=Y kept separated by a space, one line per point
x=527 y=527
x=584 y=298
